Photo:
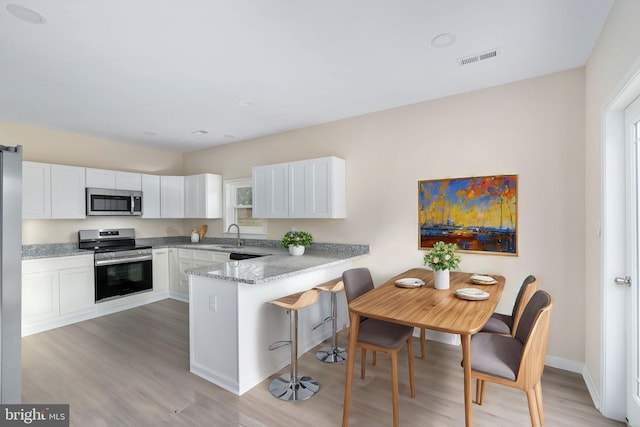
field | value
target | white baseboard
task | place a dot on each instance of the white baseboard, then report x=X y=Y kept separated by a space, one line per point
x=564 y=364
x=179 y=296
x=592 y=388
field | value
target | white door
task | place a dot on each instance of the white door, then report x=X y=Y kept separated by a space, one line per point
x=632 y=136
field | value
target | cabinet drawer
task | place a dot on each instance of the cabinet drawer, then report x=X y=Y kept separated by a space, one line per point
x=59 y=263
x=220 y=256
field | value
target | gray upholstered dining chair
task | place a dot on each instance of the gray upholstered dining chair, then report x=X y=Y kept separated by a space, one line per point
x=378 y=335
x=516 y=361
x=508 y=324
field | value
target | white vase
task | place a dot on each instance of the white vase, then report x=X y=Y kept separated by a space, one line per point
x=441 y=279
x=296 y=250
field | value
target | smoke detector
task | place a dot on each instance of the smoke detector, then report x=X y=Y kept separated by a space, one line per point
x=471 y=59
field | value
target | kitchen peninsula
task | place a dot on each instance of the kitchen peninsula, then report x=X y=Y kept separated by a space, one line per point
x=231 y=326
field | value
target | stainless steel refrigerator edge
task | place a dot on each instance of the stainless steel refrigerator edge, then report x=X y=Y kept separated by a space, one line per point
x=10 y=274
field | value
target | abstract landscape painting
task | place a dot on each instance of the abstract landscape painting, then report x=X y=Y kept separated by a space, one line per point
x=478 y=214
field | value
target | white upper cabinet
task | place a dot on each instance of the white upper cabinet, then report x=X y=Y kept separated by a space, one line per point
x=113 y=180
x=67 y=192
x=53 y=191
x=203 y=196
x=317 y=188
x=58 y=191
x=305 y=189
x=150 y=196
x=128 y=181
x=171 y=197
x=270 y=191
x=101 y=178
x=36 y=190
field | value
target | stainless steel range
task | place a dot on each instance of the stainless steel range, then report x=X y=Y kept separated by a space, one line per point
x=121 y=267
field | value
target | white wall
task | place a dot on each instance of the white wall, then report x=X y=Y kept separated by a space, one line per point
x=533 y=128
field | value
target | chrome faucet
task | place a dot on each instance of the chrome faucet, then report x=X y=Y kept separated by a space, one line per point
x=239 y=242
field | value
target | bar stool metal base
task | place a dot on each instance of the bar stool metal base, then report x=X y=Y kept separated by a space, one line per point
x=285 y=389
x=332 y=354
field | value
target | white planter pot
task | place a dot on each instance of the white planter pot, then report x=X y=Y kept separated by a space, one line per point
x=296 y=250
x=441 y=279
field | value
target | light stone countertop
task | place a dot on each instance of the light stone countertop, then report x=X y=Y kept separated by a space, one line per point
x=276 y=264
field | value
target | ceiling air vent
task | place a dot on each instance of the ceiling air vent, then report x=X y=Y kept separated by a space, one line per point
x=478 y=57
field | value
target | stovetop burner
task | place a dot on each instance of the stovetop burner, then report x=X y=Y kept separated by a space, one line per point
x=109 y=240
x=119 y=249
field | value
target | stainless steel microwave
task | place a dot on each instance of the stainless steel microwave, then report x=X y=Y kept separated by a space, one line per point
x=104 y=201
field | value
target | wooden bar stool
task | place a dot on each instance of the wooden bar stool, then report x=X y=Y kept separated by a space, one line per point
x=334 y=353
x=294 y=387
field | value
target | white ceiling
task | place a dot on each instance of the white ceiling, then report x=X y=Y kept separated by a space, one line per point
x=151 y=72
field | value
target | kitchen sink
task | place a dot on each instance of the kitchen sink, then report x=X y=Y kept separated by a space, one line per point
x=238 y=256
x=218 y=246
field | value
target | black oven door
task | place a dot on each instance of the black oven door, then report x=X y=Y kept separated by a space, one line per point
x=116 y=278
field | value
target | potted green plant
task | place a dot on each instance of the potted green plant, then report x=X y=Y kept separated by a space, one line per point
x=442 y=258
x=296 y=241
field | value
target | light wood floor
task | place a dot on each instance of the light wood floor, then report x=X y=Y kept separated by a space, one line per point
x=132 y=369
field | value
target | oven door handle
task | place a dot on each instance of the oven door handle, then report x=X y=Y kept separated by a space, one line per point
x=123 y=260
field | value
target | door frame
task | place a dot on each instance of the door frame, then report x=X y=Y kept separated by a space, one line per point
x=632 y=116
x=613 y=386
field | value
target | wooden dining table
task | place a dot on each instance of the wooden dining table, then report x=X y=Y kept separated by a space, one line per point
x=424 y=307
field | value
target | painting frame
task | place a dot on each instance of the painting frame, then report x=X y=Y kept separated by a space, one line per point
x=479 y=214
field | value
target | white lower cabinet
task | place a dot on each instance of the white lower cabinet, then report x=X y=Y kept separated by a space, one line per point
x=161 y=276
x=40 y=296
x=54 y=287
x=77 y=290
x=185 y=262
x=193 y=258
x=60 y=291
x=174 y=270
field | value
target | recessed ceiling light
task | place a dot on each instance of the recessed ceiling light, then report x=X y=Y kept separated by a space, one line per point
x=443 y=40
x=245 y=103
x=200 y=132
x=150 y=133
x=26 y=14
x=229 y=136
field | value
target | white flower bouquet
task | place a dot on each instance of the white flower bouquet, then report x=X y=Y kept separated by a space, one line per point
x=442 y=257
